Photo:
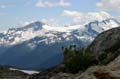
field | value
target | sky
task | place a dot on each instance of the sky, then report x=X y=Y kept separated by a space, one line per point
x=17 y=13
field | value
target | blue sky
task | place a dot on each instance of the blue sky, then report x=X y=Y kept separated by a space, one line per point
x=14 y=12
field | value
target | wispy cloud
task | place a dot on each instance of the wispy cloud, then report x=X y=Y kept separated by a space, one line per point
x=3 y=14
x=2 y=6
x=50 y=21
x=24 y=23
x=61 y=3
x=28 y=3
x=109 y=5
x=83 y=18
x=6 y=6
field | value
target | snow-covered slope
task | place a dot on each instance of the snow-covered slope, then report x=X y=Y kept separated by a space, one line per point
x=38 y=45
x=29 y=72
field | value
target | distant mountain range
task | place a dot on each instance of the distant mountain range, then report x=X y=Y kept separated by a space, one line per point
x=38 y=46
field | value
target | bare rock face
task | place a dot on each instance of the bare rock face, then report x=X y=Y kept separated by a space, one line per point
x=108 y=41
x=101 y=74
x=106 y=45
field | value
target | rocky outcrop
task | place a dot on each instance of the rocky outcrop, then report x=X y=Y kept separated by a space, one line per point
x=110 y=71
x=107 y=44
x=108 y=41
x=102 y=74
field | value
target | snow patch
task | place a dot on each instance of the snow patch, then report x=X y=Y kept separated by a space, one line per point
x=25 y=71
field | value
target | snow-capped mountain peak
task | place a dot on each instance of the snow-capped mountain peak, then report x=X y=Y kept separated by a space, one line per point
x=41 y=42
x=39 y=29
x=63 y=28
x=97 y=27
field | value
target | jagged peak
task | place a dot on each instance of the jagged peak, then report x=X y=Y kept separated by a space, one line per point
x=103 y=21
x=34 y=25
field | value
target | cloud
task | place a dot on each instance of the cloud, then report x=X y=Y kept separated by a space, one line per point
x=50 y=22
x=3 y=14
x=71 y=13
x=28 y=3
x=109 y=5
x=61 y=3
x=24 y=23
x=84 y=18
x=2 y=6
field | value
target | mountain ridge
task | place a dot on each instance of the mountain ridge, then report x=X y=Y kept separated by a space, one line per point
x=44 y=44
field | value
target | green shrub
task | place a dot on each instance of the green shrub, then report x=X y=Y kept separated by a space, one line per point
x=76 y=59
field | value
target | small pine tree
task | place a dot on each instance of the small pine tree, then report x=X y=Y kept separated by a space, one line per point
x=76 y=59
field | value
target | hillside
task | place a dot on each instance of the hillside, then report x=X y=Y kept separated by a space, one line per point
x=6 y=73
x=107 y=43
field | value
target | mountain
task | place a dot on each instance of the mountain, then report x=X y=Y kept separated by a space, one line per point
x=38 y=46
x=106 y=39
x=107 y=44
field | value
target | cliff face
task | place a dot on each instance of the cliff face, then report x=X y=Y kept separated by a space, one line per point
x=106 y=45
x=108 y=41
